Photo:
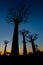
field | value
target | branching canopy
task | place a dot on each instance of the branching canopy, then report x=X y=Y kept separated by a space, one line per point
x=19 y=14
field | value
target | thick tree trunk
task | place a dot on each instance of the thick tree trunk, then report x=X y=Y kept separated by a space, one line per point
x=24 y=46
x=15 y=48
x=33 y=47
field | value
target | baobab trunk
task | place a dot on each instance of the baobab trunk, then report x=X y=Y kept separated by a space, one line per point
x=24 y=46
x=33 y=47
x=5 y=49
x=15 y=48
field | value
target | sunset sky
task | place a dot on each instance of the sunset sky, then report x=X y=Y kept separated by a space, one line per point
x=34 y=26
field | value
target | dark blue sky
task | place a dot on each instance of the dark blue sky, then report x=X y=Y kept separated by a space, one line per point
x=35 y=25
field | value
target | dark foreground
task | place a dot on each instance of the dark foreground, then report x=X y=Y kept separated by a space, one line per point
x=31 y=59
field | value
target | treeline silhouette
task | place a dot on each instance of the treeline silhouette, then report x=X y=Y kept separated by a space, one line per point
x=16 y=17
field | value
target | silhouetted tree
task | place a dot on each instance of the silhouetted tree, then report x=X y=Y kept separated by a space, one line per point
x=5 y=42
x=16 y=17
x=32 y=38
x=0 y=53
x=24 y=33
x=36 y=46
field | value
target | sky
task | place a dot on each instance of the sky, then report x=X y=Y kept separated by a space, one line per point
x=34 y=26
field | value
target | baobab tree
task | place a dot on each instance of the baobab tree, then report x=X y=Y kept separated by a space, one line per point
x=24 y=33
x=32 y=38
x=5 y=42
x=16 y=17
x=36 y=46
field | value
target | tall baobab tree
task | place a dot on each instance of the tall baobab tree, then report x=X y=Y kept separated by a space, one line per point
x=16 y=17
x=24 y=33
x=32 y=38
x=5 y=42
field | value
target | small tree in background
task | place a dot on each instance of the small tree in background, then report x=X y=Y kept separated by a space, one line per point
x=5 y=42
x=36 y=46
x=32 y=38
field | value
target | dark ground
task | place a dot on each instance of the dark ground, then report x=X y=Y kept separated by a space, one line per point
x=31 y=59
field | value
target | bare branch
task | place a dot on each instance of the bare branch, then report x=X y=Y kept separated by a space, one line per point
x=32 y=37
x=6 y=42
x=25 y=32
x=35 y=36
